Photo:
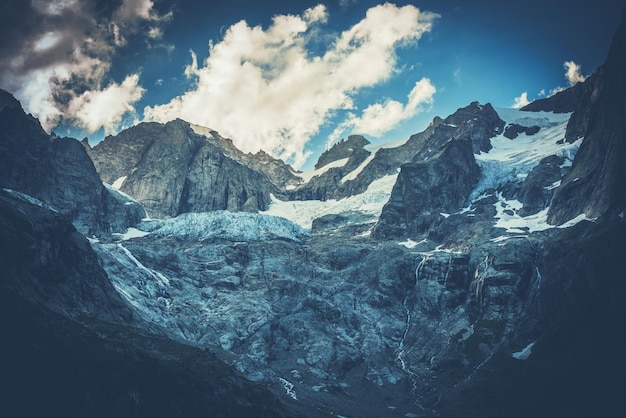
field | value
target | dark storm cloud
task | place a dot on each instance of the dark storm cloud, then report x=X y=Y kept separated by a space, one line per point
x=83 y=23
x=53 y=51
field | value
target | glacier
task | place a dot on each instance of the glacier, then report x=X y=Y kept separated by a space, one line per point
x=235 y=226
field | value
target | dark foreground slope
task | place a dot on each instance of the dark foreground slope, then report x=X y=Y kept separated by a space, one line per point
x=577 y=365
x=68 y=347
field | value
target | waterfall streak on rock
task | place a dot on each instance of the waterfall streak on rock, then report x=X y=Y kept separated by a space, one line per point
x=160 y=279
x=420 y=267
x=400 y=356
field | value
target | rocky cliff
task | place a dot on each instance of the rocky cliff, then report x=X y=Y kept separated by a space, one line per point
x=426 y=189
x=595 y=185
x=442 y=174
x=342 y=149
x=365 y=164
x=172 y=169
x=58 y=172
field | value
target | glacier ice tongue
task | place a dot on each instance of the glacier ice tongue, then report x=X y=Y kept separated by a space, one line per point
x=236 y=226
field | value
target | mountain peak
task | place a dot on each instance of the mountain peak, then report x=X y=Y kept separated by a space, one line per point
x=341 y=149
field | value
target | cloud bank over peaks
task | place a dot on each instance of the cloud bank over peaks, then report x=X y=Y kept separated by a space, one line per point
x=61 y=59
x=266 y=88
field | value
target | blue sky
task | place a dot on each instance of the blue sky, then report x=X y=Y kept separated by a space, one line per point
x=291 y=77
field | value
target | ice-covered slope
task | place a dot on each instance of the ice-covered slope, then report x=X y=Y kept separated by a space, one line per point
x=368 y=204
x=236 y=226
x=511 y=160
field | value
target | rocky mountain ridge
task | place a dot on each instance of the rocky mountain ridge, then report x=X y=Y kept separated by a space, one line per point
x=59 y=172
x=172 y=169
x=492 y=266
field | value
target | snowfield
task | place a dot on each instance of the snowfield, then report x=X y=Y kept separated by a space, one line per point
x=512 y=159
x=369 y=203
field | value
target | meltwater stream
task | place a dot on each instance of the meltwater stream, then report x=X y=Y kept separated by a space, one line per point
x=401 y=353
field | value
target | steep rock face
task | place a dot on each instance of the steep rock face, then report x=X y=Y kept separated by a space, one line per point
x=43 y=258
x=171 y=169
x=476 y=123
x=570 y=321
x=343 y=321
x=595 y=185
x=427 y=188
x=59 y=172
x=214 y=182
x=329 y=184
x=282 y=175
x=537 y=190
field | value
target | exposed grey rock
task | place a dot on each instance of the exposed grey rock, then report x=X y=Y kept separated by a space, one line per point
x=171 y=169
x=595 y=186
x=513 y=130
x=342 y=149
x=425 y=189
x=80 y=349
x=538 y=187
x=47 y=261
x=58 y=171
x=475 y=123
x=349 y=318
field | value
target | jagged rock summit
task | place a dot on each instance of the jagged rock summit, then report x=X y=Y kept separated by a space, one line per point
x=175 y=168
x=342 y=149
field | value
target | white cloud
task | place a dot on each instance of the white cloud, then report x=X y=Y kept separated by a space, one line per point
x=555 y=91
x=572 y=73
x=265 y=90
x=131 y=10
x=316 y=14
x=105 y=108
x=36 y=88
x=521 y=101
x=155 y=33
x=130 y=13
x=378 y=118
